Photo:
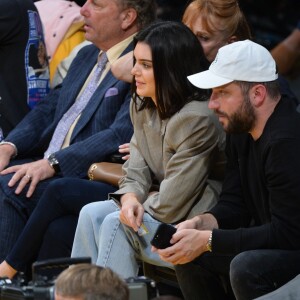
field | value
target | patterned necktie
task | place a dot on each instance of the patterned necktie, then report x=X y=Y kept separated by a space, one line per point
x=75 y=110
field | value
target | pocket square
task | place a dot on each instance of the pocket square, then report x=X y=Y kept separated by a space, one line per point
x=111 y=92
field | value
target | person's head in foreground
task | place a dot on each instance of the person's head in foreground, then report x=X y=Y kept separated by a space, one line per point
x=243 y=79
x=90 y=282
x=162 y=62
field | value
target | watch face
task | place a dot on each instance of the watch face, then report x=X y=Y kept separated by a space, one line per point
x=54 y=163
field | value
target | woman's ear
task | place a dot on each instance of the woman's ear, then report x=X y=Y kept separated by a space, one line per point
x=129 y=16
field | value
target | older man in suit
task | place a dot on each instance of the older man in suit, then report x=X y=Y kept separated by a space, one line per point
x=46 y=145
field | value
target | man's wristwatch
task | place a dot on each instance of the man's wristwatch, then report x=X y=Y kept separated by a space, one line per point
x=208 y=245
x=53 y=162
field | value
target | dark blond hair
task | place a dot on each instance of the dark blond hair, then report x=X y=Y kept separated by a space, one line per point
x=91 y=282
x=232 y=21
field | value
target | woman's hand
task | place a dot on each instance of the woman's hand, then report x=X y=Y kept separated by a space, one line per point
x=121 y=68
x=132 y=211
x=125 y=149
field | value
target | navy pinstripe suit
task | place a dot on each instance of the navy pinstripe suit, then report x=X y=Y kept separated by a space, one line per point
x=104 y=125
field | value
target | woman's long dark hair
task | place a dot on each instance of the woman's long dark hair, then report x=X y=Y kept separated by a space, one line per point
x=176 y=53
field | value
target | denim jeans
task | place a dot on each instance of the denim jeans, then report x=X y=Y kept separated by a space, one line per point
x=101 y=236
x=248 y=275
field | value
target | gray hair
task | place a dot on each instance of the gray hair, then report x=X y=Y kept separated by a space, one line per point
x=146 y=10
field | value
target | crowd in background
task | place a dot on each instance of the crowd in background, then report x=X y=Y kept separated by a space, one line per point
x=272 y=24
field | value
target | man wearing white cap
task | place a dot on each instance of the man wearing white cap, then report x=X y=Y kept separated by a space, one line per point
x=249 y=243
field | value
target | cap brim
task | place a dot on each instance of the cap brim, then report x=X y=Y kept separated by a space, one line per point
x=207 y=80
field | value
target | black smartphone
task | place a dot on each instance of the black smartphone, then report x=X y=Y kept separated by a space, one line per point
x=117 y=158
x=163 y=235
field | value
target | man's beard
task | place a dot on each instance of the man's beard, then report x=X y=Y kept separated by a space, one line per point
x=243 y=120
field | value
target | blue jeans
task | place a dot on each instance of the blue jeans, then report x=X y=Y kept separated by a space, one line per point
x=101 y=236
x=247 y=275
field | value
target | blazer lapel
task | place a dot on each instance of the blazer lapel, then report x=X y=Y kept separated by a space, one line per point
x=74 y=83
x=94 y=102
x=108 y=81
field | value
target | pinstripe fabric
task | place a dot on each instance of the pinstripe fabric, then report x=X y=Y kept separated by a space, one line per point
x=104 y=123
x=102 y=126
x=75 y=110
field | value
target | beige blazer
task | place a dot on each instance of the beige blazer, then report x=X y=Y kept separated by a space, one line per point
x=185 y=154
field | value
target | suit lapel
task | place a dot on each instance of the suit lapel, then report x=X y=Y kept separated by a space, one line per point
x=75 y=81
x=108 y=81
x=94 y=102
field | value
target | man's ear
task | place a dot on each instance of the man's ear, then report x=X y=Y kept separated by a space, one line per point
x=129 y=16
x=258 y=95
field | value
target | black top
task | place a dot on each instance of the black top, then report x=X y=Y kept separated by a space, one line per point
x=260 y=200
x=22 y=82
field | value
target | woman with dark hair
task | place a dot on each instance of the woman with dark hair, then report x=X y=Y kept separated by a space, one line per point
x=175 y=160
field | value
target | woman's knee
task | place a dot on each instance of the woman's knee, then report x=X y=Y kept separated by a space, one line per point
x=96 y=211
x=111 y=218
x=88 y=211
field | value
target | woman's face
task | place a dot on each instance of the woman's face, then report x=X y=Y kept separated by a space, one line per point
x=42 y=54
x=143 y=71
x=210 y=41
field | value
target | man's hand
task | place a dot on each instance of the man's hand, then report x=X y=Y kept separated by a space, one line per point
x=6 y=152
x=201 y=222
x=132 y=211
x=188 y=224
x=125 y=149
x=188 y=244
x=30 y=173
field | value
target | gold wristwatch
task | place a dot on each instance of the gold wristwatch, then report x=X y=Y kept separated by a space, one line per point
x=208 y=245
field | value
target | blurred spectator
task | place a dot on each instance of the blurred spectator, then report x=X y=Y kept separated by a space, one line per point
x=63 y=25
x=170 y=10
x=63 y=67
x=90 y=282
x=271 y=20
x=287 y=53
x=21 y=42
x=287 y=57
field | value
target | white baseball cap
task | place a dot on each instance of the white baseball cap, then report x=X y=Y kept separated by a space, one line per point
x=241 y=61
